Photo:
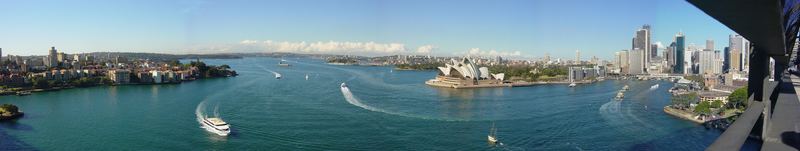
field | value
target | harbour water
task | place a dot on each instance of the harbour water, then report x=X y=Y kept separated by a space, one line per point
x=383 y=110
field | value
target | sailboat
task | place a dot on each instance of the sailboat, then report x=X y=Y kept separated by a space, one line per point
x=492 y=137
x=306 y=76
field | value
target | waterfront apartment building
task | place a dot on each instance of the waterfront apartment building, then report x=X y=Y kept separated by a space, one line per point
x=119 y=76
x=680 y=40
x=578 y=73
x=51 y=60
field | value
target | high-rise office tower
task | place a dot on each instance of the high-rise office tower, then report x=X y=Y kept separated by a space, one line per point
x=670 y=57
x=624 y=61
x=641 y=41
x=738 y=49
x=710 y=44
x=679 y=53
x=653 y=51
x=636 y=64
x=726 y=63
x=708 y=62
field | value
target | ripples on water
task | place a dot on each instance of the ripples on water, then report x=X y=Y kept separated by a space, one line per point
x=382 y=110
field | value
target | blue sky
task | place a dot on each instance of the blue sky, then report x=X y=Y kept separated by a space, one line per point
x=526 y=28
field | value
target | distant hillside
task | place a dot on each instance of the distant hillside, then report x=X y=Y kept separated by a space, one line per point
x=158 y=56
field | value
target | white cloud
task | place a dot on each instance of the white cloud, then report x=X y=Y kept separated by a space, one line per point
x=426 y=49
x=329 y=47
x=479 y=52
x=660 y=45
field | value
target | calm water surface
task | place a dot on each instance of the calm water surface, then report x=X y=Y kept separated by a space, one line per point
x=389 y=110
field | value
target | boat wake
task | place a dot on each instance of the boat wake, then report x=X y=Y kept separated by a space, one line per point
x=622 y=116
x=352 y=99
x=277 y=75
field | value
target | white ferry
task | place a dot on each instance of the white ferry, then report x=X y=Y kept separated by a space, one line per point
x=216 y=125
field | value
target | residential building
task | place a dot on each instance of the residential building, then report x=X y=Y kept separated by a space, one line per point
x=119 y=76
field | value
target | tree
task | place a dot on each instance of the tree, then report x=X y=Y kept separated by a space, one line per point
x=716 y=104
x=40 y=83
x=684 y=100
x=9 y=108
x=85 y=82
x=704 y=108
x=174 y=63
x=738 y=98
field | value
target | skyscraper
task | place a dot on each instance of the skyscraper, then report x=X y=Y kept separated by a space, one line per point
x=636 y=65
x=577 y=57
x=624 y=61
x=738 y=49
x=726 y=64
x=670 y=57
x=710 y=44
x=653 y=51
x=641 y=41
x=708 y=63
x=52 y=60
x=679 y=50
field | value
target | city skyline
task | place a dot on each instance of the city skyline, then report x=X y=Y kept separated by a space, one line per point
x=513 y=29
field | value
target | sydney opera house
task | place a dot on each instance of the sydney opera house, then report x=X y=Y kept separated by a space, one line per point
x=465 y=74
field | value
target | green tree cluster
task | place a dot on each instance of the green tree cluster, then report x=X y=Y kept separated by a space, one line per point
x=738 y=99
x=40 y=83
x=683 y=100
x=207 y=71
x=86 y=82
x=6 y=109
x=703 y=108
x=422 y=66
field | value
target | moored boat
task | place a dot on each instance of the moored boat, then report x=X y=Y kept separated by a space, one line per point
x=23 y=93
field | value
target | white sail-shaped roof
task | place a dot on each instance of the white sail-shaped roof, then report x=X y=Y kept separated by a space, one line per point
x=484 y=72
x=468 y=70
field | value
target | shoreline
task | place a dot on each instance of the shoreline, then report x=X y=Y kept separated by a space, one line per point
x=34 y=90
x=682 y=114
x=12 y=117
x=508 y=84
